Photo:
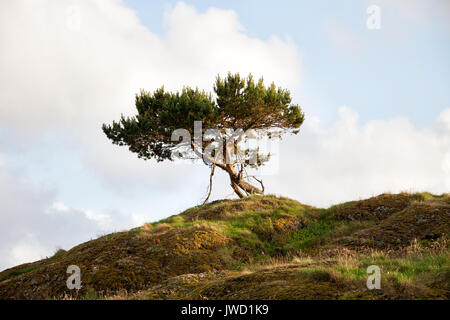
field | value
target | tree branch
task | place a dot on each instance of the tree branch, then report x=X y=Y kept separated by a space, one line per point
x=213 y=167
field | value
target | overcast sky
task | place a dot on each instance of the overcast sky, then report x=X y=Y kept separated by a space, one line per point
x=377 y=105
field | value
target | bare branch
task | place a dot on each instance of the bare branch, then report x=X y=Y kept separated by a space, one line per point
x=260 y=182
x=213 y=167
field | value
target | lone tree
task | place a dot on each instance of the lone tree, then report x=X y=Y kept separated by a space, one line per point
x=216 y=131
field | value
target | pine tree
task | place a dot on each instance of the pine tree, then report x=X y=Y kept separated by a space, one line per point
x=242 y=109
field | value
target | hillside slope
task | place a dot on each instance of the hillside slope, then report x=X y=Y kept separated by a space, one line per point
x=259 y=248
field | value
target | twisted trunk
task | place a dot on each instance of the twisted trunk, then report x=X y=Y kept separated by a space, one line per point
x=241 y=187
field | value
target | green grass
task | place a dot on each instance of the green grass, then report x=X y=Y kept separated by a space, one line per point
x=422 y=196
x=305 y=237
x=251 y=227
x=263 y=233
x=17 y=272
x=255 y=228
x=408 y=268
x=59 y=253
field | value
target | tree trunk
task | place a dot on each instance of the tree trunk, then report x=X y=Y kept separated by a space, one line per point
x=249 y=188
x=238 y=184
x=237 y=190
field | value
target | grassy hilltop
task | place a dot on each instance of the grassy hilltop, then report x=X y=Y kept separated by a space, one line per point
x=261 y=247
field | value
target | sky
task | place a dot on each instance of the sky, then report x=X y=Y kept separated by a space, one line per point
x=376 y=100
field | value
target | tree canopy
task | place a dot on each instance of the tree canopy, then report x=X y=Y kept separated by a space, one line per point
x=240 y=109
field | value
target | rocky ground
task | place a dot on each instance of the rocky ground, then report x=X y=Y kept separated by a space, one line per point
x=259 y=248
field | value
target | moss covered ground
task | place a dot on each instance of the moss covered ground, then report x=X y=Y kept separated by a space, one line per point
x=260 y=247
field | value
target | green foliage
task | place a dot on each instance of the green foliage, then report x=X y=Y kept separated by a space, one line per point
x=423 y=196
x=240 y=104
x=246 y=104
x=59 y=253
x=303 y=238
x=159 y=113
x=17 y=271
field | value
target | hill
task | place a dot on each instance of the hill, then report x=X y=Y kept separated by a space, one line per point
x=260 y=247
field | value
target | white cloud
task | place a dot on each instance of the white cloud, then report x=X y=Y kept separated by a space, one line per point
x=81 y=78
x=77 y=80
x=444 y=120
x=139 y=219
x=25 y=250
x=58 y=207
x=33 y=224
x=446 y=169
x=103 y=220
x=27 y=230
x=347 y=161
